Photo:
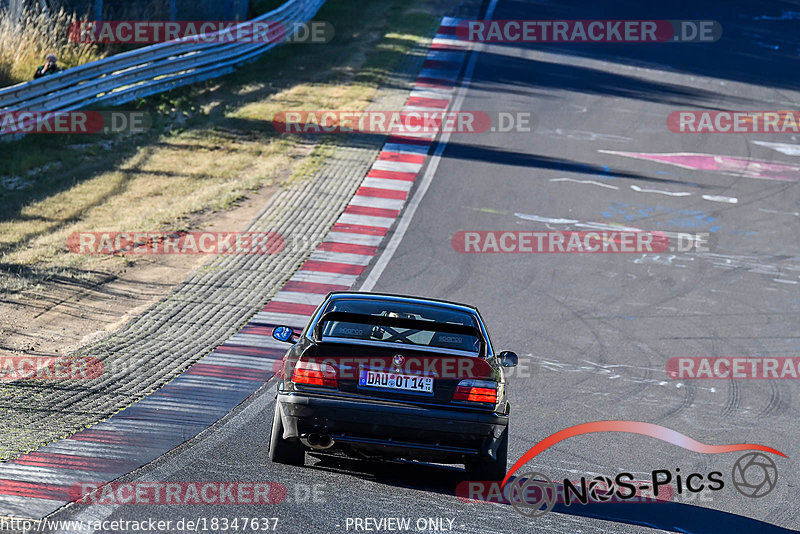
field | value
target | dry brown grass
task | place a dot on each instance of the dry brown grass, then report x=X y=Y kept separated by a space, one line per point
x=24 y=43
x=225 y=150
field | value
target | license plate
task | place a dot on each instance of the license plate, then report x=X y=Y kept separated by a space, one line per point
x=380 y=379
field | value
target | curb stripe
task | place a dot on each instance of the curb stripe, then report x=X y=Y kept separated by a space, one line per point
x=330 y=267
x=434 y=84
x=441 y=64
x=437 y=103
x=368 y=201
x=340 y=257
x=396 y=166
x=289 y=307
x=406 y=140
x=381 y=193
x=353 y=238
x=299 y=298
x=372 y=212
x=393 y=175
x=324 y=278
x=230 y=372
x=245 y=350
x=401 y=157
x=359 y=229
x=312 y=287
x=383 y=183
x=348 y=247
x=406 y=148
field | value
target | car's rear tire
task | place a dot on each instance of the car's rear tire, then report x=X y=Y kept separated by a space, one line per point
x=494 y=469
x=284 y=451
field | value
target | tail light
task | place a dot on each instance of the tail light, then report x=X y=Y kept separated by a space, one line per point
x=484 y=391
x=315 y=374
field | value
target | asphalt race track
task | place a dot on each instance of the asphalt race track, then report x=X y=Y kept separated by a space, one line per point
x=594 y=331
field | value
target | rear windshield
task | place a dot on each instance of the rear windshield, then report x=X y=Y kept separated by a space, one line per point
x=425 y=336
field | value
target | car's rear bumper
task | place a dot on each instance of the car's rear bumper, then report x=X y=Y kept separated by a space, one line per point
x=393 y=428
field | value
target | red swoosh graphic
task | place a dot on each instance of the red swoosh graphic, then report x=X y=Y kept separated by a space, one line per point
x=633 y=427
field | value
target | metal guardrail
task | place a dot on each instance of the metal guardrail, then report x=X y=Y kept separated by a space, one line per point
x=154 y=69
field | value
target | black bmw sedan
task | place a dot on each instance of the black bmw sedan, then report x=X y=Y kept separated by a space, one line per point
x=376 y=375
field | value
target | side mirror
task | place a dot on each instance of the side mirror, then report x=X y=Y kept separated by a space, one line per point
x=283 y=333
x=508 y=359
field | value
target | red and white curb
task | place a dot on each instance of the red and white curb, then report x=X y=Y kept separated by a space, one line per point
x=40 y=482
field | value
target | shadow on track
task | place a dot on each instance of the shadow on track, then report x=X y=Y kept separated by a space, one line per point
x=759 y=42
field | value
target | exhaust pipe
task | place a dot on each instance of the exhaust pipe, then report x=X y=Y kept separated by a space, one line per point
x=318 y=442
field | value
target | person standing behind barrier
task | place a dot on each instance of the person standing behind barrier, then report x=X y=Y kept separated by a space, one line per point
x=50 y=67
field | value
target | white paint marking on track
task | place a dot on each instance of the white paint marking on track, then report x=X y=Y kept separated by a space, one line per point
x=549 y=220
x=601 y=184
x=718 y=198
x=783 y=148
x=600 y=226
x=795 y=213
x=660 y=192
